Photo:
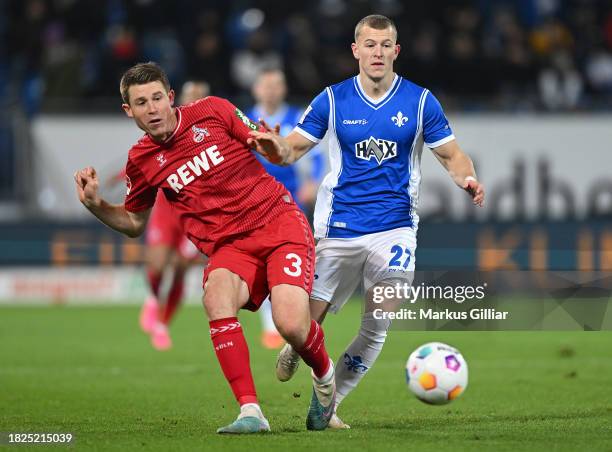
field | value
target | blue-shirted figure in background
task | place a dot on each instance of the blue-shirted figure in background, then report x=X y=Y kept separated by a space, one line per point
x=365 y=215
x=302 y=179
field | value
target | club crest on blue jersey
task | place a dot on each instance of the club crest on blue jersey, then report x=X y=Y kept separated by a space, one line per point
x=399 y=119
x=378 y=148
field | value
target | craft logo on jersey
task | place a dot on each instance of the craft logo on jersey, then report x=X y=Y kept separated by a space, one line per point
x=376 y=147
x=161 y=159
x=199 y=133
x=399 y=119
x=355 y=122
x=245 y=119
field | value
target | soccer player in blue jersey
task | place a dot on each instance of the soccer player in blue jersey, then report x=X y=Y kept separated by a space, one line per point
x=365 y=215
x=270 y=91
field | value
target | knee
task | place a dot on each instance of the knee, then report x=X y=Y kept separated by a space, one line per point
x=218 y=303
x=293 y=330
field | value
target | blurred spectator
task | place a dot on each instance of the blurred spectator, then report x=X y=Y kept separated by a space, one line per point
x=475 y=53
x=193 y=90
x=599 y=70
x=560 y=83
x=258 y=55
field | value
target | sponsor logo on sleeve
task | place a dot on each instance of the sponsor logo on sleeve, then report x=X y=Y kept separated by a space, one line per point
x=245 y=119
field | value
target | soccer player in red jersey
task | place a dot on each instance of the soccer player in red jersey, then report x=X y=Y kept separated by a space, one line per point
x=167 y=249
x=257 y=240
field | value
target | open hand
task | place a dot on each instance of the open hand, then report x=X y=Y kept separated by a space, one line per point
x=266 y=142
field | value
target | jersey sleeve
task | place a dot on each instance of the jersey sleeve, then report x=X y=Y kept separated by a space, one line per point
x=238 y=124
x=436 y=129
x=313 y=123
x=139 y=194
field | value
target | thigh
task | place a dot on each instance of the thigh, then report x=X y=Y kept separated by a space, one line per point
x=225 y=294
x=249 y=268
x=339 y=270
x=291 y=252
x=390 y=257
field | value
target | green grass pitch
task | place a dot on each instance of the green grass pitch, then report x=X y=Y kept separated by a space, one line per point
x=90 y=371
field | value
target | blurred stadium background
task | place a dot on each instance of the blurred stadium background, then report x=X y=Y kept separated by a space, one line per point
x=527 y=85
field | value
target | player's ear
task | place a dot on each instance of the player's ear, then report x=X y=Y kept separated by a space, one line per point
x=397 y=50
x=128 y=110
x=171 y=96
x=354 y=49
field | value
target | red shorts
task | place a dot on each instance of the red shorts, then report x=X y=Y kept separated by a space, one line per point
x=281 y=252
x=164 y=228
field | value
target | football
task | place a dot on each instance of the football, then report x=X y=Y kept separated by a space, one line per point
x=436 y=373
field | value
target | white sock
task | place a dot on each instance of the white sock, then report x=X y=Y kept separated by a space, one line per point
x=251 y=409
x=325 y=378
x=360 y=355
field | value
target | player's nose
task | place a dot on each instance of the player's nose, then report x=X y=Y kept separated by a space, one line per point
x=151 y=107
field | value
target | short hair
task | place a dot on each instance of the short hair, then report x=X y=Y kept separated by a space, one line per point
x=376 y=21
x=141 y=74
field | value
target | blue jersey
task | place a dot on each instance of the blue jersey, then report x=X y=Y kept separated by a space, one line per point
x=375 y=151
x=287 y=116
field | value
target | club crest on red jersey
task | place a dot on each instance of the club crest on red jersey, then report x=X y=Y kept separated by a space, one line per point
x=161 y=159
x=128 y=185
x=199 y=133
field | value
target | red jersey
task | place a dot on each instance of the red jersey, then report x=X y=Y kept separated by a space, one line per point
x=207 y=171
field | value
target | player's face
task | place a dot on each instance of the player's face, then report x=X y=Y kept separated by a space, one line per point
x=376 y=50
x=270 y=88
x=151 y=107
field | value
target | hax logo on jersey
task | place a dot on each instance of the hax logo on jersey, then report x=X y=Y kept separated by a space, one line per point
x=161 y=159
x=399 y=119
x=376 y=147
x=199 y=133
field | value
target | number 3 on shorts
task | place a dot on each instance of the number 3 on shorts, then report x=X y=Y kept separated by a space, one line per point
x=296 y=262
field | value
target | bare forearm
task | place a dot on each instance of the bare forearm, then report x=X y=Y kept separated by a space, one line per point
x=116 y=217
x=459 y=167
x=289 y=151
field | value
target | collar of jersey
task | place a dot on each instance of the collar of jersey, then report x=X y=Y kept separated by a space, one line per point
x=376 y=104
x=178 y=126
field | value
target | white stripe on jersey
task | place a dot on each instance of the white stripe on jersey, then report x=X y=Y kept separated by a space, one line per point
x=325 y=196
x=415 y=162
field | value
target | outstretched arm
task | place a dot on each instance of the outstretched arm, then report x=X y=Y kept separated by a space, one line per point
x=461 y=170
x=279 y=150
x=115 y=216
